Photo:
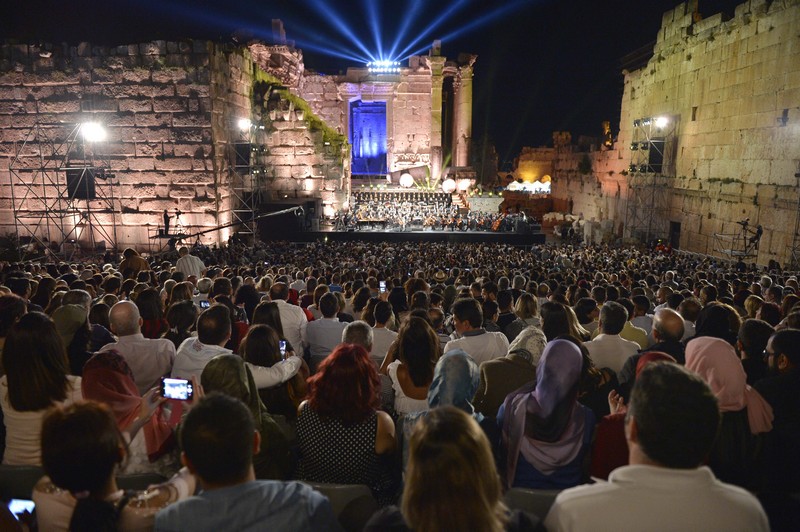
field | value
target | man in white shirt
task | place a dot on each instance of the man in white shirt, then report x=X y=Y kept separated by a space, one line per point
x=474 y=339
x=148 y=359
x=323 y=335
x=670 y=426
x=189 y=265
x=213 y=332
x=609 y=349
x=382 y=337
x=293 y=319
x=299 y=283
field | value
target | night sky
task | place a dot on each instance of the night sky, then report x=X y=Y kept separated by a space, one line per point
x=543 y=65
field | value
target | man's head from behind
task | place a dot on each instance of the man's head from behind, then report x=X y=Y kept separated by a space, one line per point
x=612 y=317
x=359 y=333
x=214 y=325
x=667 y=325
x=672 y=419
x=218 y=439
x=783 y=351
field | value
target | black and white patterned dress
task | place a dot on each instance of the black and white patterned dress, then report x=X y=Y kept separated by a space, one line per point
x=335 y=452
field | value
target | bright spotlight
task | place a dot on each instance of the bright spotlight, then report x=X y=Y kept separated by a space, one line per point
x=244 y=124
x=449 y=185
x=463 y=185
x=662 y=121
x=406 y=180
x=93 y=132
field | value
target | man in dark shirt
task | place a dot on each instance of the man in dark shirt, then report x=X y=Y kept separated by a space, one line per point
x=782 y=391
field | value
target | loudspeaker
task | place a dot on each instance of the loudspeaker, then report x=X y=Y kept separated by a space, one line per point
x=80 y=183
x=242 y=154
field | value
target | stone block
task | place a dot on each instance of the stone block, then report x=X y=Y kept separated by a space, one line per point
x=136 y=75
x=173 y=105
x=153 y=119
x=173 y=163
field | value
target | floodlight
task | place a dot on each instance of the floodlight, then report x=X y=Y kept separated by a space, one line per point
x=406 y=180
x=93 y=132
x=244 y=124
x=662 y=121
x=449 y=185
x=464 y=184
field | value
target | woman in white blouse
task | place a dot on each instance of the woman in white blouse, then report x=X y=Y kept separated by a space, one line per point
x=36 y=379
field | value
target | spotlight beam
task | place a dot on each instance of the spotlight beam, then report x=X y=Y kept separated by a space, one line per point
x=336 y=21
x=375 y=24
x=489 y=17
x=438 y=21
x=403 y=29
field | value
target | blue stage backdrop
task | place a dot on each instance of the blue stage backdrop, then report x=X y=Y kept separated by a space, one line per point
x=368 y=137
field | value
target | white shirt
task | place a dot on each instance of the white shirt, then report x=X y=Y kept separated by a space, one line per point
x=23 y=429
x=651 y=499
x=298 y=285
x=193 y=356
x=190 y=265
x=611 y=351
x=404 y=404
x=323 y=336
x=382 y=339
x=480 y=346
x=294 y=323
x=149 y=359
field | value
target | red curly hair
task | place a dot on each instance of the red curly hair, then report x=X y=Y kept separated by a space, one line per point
x=346 y=385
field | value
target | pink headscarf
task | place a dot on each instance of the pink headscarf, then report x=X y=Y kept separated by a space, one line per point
x=108 y=379
x=716 y=362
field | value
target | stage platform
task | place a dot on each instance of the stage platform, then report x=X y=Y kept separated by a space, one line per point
x=514 y=239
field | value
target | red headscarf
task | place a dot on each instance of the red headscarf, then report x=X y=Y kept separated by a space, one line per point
x=108 y=379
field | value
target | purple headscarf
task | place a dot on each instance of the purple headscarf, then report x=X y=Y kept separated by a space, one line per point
x=543 y=421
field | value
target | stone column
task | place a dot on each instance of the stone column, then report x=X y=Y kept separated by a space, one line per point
x=463 y=112
x=436 y=64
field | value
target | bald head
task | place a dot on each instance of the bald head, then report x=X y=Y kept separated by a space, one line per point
x=667 y=325
x=125 y=319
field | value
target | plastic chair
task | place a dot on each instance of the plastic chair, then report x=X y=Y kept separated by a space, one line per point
x=536 y=502
x=353 y=504
x=17 y=482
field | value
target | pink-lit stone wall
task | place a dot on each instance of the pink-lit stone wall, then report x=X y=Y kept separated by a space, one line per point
x=171 y=111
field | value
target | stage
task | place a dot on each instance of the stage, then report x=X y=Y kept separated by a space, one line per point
x=514 y=239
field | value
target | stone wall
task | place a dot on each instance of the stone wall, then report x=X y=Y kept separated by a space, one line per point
x=532 y=164
x=732 y=87
x=154 y=101
x=171 y=110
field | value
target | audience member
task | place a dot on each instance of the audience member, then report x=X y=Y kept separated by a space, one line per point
x=670 y=428
x=219 y=439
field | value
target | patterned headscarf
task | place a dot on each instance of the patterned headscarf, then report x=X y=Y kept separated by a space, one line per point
x=543 y=422
x=108 y=379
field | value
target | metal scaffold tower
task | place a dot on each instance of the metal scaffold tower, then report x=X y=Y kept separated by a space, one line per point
x=651 y=168
x=246 y=183
x=62 y=191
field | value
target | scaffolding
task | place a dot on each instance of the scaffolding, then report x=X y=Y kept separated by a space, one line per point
x=62 y=192
x=652 y=166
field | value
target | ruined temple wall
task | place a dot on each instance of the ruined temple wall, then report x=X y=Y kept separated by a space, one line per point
x=734 y=86
x=171 y=111
x=410 y=126
x=534 y=163
x=733 y=89
x=155 y=103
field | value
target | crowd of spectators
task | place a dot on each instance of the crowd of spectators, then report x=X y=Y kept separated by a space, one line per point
x=437 y=375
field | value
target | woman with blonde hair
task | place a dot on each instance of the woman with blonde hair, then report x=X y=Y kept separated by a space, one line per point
x=451 y=482
x=527 y=311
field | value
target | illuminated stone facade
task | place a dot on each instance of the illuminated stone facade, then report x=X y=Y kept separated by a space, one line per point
x=730 y=86
x=172 y=112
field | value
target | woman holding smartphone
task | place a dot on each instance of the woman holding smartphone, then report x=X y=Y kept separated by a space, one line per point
x=262 y=347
